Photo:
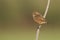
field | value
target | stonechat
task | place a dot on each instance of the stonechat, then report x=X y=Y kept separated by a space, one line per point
x=38 y=18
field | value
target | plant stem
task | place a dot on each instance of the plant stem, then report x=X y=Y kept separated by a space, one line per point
x=47 y=7
x=37 y=32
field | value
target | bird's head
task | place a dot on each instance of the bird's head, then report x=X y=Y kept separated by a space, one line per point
x=36 y=14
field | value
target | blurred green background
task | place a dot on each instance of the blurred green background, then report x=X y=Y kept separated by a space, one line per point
x=16 y=22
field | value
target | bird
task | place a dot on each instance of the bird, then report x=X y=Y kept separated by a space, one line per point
x=38 y=18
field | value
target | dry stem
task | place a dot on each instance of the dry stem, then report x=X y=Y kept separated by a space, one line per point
x=37 y=32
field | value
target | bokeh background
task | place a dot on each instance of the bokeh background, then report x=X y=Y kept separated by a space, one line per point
x=16 y=22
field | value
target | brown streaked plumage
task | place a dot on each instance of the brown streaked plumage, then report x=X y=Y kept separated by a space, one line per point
x=38 y=18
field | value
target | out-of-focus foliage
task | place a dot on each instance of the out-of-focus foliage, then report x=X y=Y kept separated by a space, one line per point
x=16 y=19
x=21 y=10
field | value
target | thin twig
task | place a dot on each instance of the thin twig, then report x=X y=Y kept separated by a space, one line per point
x=37 y=32
x=47 y=7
